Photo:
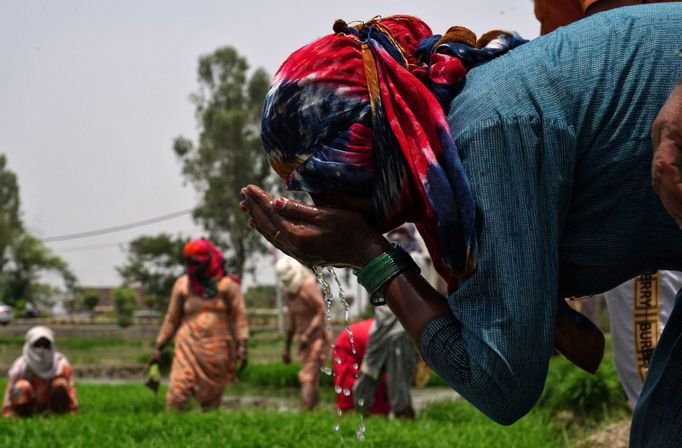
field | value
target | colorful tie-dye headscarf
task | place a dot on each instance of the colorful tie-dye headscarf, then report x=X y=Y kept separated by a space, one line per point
x=204 y=263
x=358 y=113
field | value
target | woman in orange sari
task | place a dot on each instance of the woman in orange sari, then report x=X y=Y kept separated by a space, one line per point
x=207 y=317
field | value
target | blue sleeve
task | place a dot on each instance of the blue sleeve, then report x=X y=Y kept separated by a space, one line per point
x=494 y=349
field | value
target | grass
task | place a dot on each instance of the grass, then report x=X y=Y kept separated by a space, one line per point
x=265 y=347
x=84 y=351
x=573 y=405
x=128 y=415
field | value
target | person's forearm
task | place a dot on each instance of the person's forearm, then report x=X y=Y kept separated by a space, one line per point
x=414 y=302
x=160 y=345
x=490 y=374
x=315 y=326
x=287 y=341
x=165 y=335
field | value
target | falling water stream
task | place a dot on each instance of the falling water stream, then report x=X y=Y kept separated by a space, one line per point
x=329 y=302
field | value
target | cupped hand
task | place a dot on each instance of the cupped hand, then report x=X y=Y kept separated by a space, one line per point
x=316 y=236
x=666 y=167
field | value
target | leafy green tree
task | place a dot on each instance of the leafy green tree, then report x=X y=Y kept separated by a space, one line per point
x=154 y=262
x=125 y=302
x=10 y=220
x=28 y=260
x=227 y=155
x=90 y=300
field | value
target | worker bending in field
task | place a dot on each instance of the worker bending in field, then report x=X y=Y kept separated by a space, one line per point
x=306 y=322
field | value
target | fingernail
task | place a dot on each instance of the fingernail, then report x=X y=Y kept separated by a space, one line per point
x=280 y=202
x=251 y=224
x=243 y=192
x=243 y=206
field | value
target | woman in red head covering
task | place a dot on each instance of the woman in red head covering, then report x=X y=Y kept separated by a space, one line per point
x=206 y=314
x=536 y=186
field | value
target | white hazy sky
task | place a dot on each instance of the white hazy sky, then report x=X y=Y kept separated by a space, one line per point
x=93 y=93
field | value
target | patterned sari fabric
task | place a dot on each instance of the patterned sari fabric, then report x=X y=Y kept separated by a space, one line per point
x=205 y=330
x=207 y=316
x=352 y=114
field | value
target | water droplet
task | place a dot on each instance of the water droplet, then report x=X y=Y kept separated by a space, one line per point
x=361 y=402
x=329 y=302
x=360 y=433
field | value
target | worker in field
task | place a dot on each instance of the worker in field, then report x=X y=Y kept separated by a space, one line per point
x=306 y=323
x=41 y=380
x=207 y=317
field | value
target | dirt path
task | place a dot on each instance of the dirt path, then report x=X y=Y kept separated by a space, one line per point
x=616 y=435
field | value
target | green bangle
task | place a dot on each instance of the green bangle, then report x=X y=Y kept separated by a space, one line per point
x=382 y=269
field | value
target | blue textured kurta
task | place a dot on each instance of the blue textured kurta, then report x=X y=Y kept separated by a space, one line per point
x=555 y=137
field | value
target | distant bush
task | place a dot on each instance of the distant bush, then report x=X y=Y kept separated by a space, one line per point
x=570 y=389
x=125 y=302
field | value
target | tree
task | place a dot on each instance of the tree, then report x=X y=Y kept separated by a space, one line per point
x=124 y=304
x=90 y=300
x=23 y=258
x=28 y=259
x=10 y=221
x=228 y=153
x=154 y=262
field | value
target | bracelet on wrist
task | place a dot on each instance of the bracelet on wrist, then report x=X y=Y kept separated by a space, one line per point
x=383 y=268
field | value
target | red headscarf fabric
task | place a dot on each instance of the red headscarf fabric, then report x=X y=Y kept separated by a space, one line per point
x=204 y=266
x=359 y=113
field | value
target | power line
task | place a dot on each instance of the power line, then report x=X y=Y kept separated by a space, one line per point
x=121 y=244
x=119 y=228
